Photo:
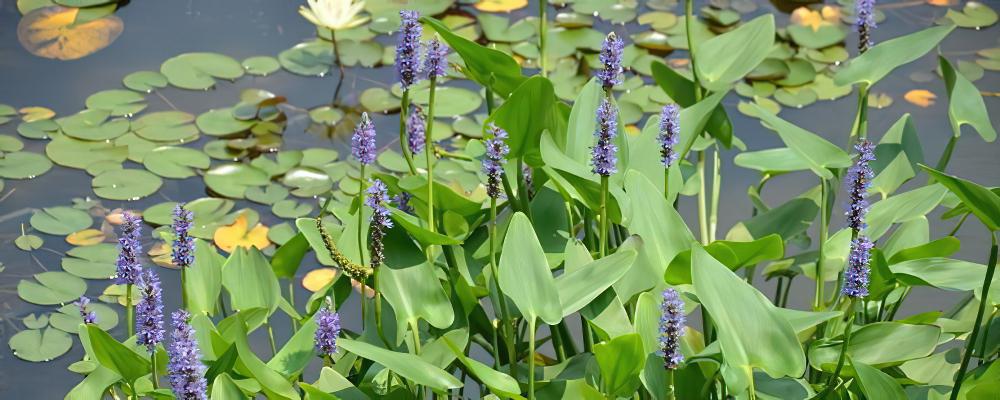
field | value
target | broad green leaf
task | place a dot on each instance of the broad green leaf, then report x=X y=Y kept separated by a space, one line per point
x=251 y=283
x=273 y=384
x=116 y=356
x=879 y=344
x=411 y=286
x=981 y=201
x=942 y=273
x=524 y=273
x=772 y=161
x=881 y=59
x=751 y=332
x=726 y=58
x=820 y=154
x=620 y=361
x=94 y=385
x=408 y=366
x=490 y=68
x=497 y=382
x=965 y=103
x=896 y=157
x=734 y=255
x=902 y=207
x=943 y=247
x=581 y=286
x=297 y=352
x=23 y=165
x=786 y=220
x=681 y=90
x=419 y=233
x=53 y=287
x=525 y=115
x=331 y=381
x=40 y=345
x=224 y=388
x=877 y=384
x=582 y=122
x=60 y=220
x=287 y=259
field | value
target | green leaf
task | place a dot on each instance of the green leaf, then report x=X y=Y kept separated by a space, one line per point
x=524 y=273
x=981 y=201
x=331 y=381
x=489 y=67
x=579 y=287
x=734 y=255
x=751 y=332
x=297 y=352
x=412 y=225
x=23 y=165
x=877 y=384
x=728 y=57
x=116 y=356
x=406 y=365
x=943 y=247
x=820 y=154
x=53 y=287
x=881 y=59
x=203 y=282
x=40 y=345
x=409 y=283
x=498 y=382
x=60 y=221
x=901 y=208
x=248 y=278
x=942 y=273
x=965 y=103
x=273 y=384
x=620 y=361
x=525 y=115
x=232 y=180
x=879 y=344
x=175 y=162
x=197 y=71
x=288 y=258
x=223 y=388
x=126 y=184
x=28 y=242
x=896 y=157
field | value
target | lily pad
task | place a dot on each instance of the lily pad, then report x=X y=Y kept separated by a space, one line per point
x=54 y=287
x=198 y=71
x=326 y=115
x=261 y=65
x=28 y=242
x=824 y=36
x=42 y=129
x=175 y=162
x=126 y=184
x=974 y=15
x=145 y=81
x=232 y=180
x=23 y=165
x=312 y=58
x=75 y=153
x=118 y=102
x=291 y=209
x=166 y=126
x=91 y=262
x=448 y=101
x=221 y=122
x=68 y=317
x=93 y=125
x=40 y=345
x=60 y=220
x=377 y=99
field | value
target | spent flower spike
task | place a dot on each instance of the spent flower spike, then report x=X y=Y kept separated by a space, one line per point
x=408 y=49
x=363 y=141
x=416 y=126
x=149 y=311
x=604 y=155
x=182 y=251
x=435 y=59
x=859 y=178
x=672 y=322
x=327 y=329
x=611 y=60
x=670 y=134
x=88 y=316
x=186 y=371
x=378 y=197
x=496 y=155
x=128 y=266
x=858 y=270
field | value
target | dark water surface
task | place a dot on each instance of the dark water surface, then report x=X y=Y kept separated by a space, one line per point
x=157 y=30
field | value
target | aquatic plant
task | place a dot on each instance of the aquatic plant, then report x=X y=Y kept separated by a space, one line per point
x=185 y=368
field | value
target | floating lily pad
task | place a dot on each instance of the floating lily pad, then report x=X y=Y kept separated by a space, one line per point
x=973 y=15
x=660 y=21
x=377 y=99
x=52 y=287
x=117 y=102
x=42 y=129
x=60 y=220
x=28 y=242
x=449 y=101
x=307 y=182
x=800 y=72
x=652 y=40
x=747 y=109
x=261 y=65
x=198 y=71
x=68 y=33
x=573 y=20
x=23 y=165
x=145 y=81
x=136 y=147
x=366 y=54
x=232 y=180
x=879 y=100
x=326 y=115
x=126 y=184
x=795 y=97
x=166 y=126
x=308 y=58
x=35 y=113
x=93 y=125
x=75 y=153
x=770 y=69
x=824 y=36
x=7 y=113
x=221 y=122
x=220 y=150
x=282 y=162
x=175 y=162
x=68 y=317
x=36 y=322
x=291 y=209
x=826 y=89
x=269 y=194
x=40 y=345
x=498 y=28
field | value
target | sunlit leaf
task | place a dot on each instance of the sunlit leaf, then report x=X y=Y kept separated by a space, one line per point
x=52 y=32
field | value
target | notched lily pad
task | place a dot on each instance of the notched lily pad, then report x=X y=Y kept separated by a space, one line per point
x=198 y=71
x=53 y=287
x=40 y=345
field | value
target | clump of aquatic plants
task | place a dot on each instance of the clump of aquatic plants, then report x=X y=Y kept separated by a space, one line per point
x=557 y=267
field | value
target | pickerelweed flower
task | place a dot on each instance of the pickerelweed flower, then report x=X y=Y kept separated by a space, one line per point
x=182 y=251
x=496 y=156
x=604 y=155
x=670 y=134
x=864 y=12
x=378 y=196
x=408 y=48
x=187 y=373
x=611 y=59
x=327 y=329
x=88 y=316
x=129 y=249
x=149 y=311
x=363 y=141
x=859 y=179
x=671 y=329
x=402 y=201
x=435 y=59
x=856 y=275
x=416 y=125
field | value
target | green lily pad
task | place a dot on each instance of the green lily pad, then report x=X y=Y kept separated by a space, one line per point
x=10 y=144
x=307 y=181
x=40 y=345
x=232 y=180
x=54 y=287
x=312 y=58
x=75 y=153
x=175 y=162
x=166 y=126
x=826 y=89
x=7 y=113
x=261 y=65
x=28 y=242
x=498 y=28
x=126 y=184
x=91 y=262
x=36 y=322
x=800 y=72
x=118 y=102
x=198 y=71
x=825 y=36
x=23 y=165
x=42 y=129
x=221 y=122
x=573 y=20
x=60 y=221
x=136 y=148
x=974 y=15
x=291 y=209
x=220 y=150
x=660 y=21
x=145 y=81
x=269 y=194
x=879 y=100
x=366 y=54
x=747 y=107
x=326 y=115
x=795 y=97
x=769 y=69
x=377 y=99
x=652 y=40
x=448 y=101
x=68 y=318
x=93 y=125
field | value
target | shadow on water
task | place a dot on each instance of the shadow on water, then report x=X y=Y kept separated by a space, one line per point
x=156 y=30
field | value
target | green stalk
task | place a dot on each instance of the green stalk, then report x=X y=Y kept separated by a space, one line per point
x=688 y=16
x=404 y=143
x=702 y=212
x=970 y=345
x=291 y=300
x=666 y=183
x=946 y=156
x=429 y=152
x=604 y=216
x=512 y=200
x=270 y=337
x=378 y=308
x=713 y=219
x=522 y=189
x=340 y=65
x=986 y=335
x=823 y=227
x=671 y=395
x=153 y=378
x=542 y=28
x=557 y=343
x=504 y=314
x=131 y=310
x=184 y=300
x=832 y=383
x=531 y=359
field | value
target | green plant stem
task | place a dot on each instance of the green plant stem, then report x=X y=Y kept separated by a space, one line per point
x=820 y=284
x=184 y=301
x=671 y=395
x=942 y=163
x=970 y=345
x=986 y=336
x=340 y=65
x=958 y=225
x=415 y=330
x=542 y=29
x=378 y=307
x=778 y=290
x=270 y=338
x=531 y=359
x=604 y=217
x=832 y=383
x=713 y=218
x=429 y=152
x=522 y=189
x=291 y=300
x=512 y=200
x=152 y=376
x=788 y=288
x=860 y=129
x=404 y=143
x=688 y=16
x=666 y=184
x=752 y=389
x=557 y=343
x=130 y=310
x=702 y=211
x=504 y=314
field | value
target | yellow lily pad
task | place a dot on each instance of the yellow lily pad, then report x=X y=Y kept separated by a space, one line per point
x=240 y=235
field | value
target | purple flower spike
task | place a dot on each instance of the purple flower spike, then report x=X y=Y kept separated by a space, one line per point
x=436 y=59
x=363 y=141
x=129 y=249
x=149 y=311
x=327 y=329
x=89 y=317
x=416 y=124
x=187 y=373
x=864 y=12
x=670 y=134
x=859 y=179
x=611 y=59
x=604 y=155
x=856 y=275
x=408 y=48
x=378 y=197
x=183 y=248
x=671 y=329
x=496 y=156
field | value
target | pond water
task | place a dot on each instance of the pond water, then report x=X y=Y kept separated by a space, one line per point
x=157 y=30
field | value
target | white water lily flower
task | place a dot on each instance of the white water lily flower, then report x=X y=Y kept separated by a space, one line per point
x=334 y=14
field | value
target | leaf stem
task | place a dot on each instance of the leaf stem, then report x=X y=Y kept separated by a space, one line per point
x=604 y=216
x=130 y=310
x=702 y=211
x=404 y=143
x=152 y=363
x=820 y=283
x=429 y=153
x=504 y=314
x=832 y=383
x=531 y=359
x=713 y=218
x=542 y=29
x=971 y=341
